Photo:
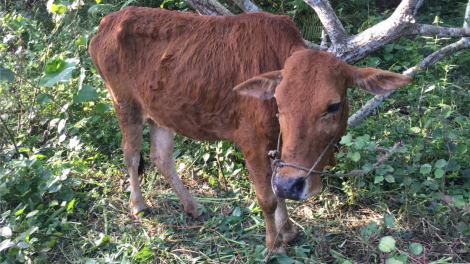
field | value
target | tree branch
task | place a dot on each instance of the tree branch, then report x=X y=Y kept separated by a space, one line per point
x=373 y=103
x=247 y=6
x=312 y=45
x=430 y=30
x=11 y=136
x=329 y=20
x=209 y=7
x=361 y=45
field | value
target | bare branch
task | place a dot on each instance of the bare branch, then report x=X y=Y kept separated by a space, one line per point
x=11 y=136
x=361 y=45
x=329 y=20
x=209 y=7
x=247 y=6
x=373 y=103
x=312 y=45
x=323 y=38
x=430 y=30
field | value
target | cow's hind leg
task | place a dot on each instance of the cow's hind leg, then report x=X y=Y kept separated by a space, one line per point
x=161 y=154
x=132 y=125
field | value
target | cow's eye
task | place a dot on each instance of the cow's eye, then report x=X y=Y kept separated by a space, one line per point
x=333 y=108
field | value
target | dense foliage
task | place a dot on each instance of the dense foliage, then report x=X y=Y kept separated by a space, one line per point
x=63 y=187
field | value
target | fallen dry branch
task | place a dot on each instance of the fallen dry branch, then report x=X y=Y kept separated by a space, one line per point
x=373 y=103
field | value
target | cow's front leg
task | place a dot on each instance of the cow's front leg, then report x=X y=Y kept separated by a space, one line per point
x=260 y=173
x=283 y=223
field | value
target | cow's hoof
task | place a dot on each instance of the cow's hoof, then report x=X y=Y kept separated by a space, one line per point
x=280 y=250
x=203 y=217
x=146 y=211
x=296 y=240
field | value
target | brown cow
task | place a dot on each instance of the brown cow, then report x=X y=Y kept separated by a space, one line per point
x=177 y=72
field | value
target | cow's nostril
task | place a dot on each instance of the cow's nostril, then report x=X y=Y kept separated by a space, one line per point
x=298 y=188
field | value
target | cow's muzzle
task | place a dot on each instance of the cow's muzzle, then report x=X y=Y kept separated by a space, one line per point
x=288 y=187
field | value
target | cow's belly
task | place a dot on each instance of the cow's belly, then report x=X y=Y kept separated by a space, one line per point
x=193 y=120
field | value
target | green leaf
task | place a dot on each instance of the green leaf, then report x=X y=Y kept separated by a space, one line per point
x=378 y=179
x=86 y=94
x=61 y=125
x=59 y=9
x=43 y=98
x=388 y=220
x=346 y=140
x=144 y=254
x=284 y=259
x=407 y=181
x=237 y=211
x=23 y=245
x=387 y=244
x=399 y=172
x=462 y=149
x=5 y=232
x=425 y=169
x=101 y=108
x=367 y=167
x=6 y=244
x=62 y=74
x=415 y=130
x=23 y=186
x=66 y=194
x=462 y=227
x=55 y=187
x=440 y=164
x=388 y=47
x=19 y=212
x=388 y=57
x=80 y=41
x=70 y=206
x=393 y=261
x=356 y=156
x=103 y=239
x=438 y=173
x=416 y=248
x=390 y=178
x=6 y=75
x=46 y=174
x=33 y=213
x=415 y=187
x=359 y=144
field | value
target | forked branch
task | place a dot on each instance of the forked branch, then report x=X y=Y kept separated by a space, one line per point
x=373 y=103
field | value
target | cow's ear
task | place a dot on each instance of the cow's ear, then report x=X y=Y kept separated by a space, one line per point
x=261 y=87
x=378 y=82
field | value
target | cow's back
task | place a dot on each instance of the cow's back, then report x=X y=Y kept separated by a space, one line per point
x=181 y=67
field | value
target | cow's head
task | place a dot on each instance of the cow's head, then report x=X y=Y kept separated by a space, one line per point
x=310 y=93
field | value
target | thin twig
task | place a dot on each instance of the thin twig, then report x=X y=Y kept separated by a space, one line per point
x=221 y=171
x=278 y=232
x=11 y=136
x=450 y=154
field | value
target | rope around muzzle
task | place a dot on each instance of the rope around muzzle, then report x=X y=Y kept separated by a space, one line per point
x=278 y=163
